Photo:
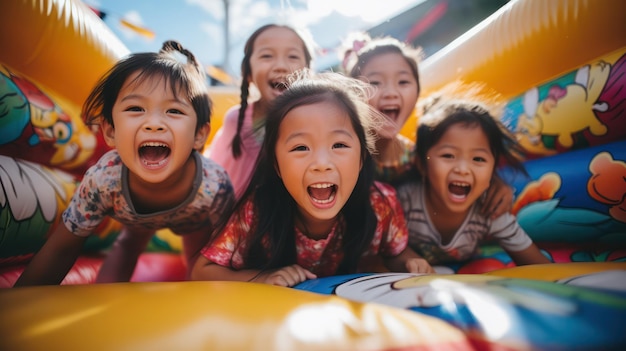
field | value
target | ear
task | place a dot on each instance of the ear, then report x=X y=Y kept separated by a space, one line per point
x=201 y=136
x=108 y=132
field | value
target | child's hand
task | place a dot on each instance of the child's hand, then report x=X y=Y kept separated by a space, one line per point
x=418 y=265
x=498 y=200
x=286 y=276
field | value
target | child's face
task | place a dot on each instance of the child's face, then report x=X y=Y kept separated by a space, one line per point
x=154 y=131
x=458 y=168
x=396 y=90
x=277 y=53
x=318 y=158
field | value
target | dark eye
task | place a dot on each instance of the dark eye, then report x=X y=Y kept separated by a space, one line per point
x=134 y=109
x=374 y=83
x=340 y=146
x=480 y=159
x=175 y=111
x=294 y=57
x=447 y=156
x=300 y=148
x=404 y=82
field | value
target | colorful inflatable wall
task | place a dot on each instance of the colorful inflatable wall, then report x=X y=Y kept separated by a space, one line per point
x=560 y=66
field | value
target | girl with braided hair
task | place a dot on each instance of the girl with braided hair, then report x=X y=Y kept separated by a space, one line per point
x=271 y=53
x=154 y=111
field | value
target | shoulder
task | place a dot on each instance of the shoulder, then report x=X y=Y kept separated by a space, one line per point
x=213 y=172
x=232 y=115
x=108 y=165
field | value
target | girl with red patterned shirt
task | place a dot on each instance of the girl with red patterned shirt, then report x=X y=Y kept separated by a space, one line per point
x=312 y=207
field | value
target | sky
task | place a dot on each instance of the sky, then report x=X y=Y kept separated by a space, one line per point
x=199 y=24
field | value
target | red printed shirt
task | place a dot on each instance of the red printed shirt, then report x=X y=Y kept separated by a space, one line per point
x=321 y=257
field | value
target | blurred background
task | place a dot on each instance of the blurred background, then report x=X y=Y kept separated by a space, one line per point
x=216 y=30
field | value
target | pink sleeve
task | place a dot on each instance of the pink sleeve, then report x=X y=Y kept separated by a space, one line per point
x=239 y=170
x=219 y=149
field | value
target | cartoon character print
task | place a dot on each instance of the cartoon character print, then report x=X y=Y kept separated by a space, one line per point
x=36 y=128
x=31 y=200
x=548 y=126
x=612 y=106
x=539 y=190
x=582 y=313
x=607 y=184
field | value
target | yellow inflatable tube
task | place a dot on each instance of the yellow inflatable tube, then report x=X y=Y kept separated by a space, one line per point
x=528 y=42
x=210 y=316
x=60 y=44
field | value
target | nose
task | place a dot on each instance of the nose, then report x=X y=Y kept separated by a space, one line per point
x=154 y=123
x=388 y=91
x=281 y=64
x=461 y=167
x=321 y=161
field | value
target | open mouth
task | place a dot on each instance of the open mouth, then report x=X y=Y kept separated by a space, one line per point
x=154 y=154
x=392 y=113
x=278 y=85
x=322 y=193
x=459 y=190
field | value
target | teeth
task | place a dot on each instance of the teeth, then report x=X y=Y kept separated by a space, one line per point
x=152 y=164
x=153 y=143
x=330 y=199
x=460 y=184
x=322 y=185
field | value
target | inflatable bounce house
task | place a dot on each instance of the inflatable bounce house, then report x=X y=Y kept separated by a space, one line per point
x=560 y=65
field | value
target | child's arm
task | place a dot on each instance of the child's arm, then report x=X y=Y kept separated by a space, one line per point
x=50 y=265
x=408 y=261
x=286 y=276
x=499 y=199
x=119 y=264
x=530 y=255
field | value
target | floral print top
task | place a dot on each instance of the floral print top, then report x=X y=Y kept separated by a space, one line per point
x=103 y=192
x=322 y=257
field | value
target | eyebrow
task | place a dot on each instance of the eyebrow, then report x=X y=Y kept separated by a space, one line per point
x=138 y=96
x=397 y=72
x=443 y=146
x=336 y=131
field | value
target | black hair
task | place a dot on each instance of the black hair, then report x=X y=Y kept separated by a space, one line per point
x=187 y=77
x=246 y=72
x=440 y=114
x=357 y=56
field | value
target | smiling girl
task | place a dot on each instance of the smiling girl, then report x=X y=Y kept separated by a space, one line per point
x=312 y=208
x=459 y=146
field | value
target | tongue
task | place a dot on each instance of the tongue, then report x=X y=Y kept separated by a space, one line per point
x=154 y=153
x=320 y=193
x=458 y=190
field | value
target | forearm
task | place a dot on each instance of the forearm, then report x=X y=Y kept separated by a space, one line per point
x=207 y=270
x=530 y=255
x=398 y=263
x=408 y=261
x=55 y=259
x=119 y=264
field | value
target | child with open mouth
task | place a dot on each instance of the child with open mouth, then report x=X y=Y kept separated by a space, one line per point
x=312 y=208
x=154 y=111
